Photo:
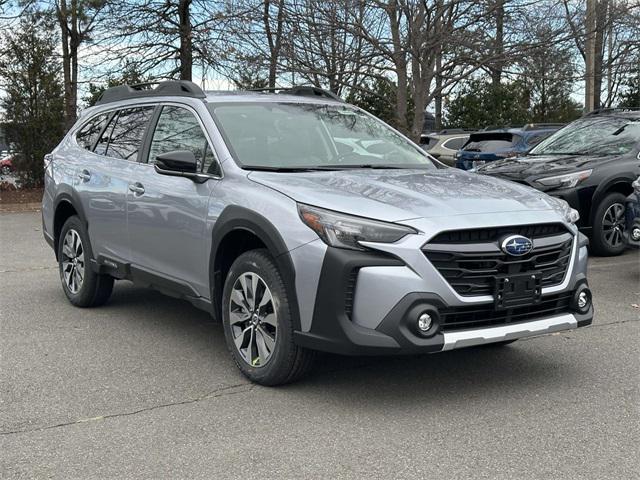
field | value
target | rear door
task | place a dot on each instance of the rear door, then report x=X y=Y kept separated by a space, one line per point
x=102 y=177
x=167 y=215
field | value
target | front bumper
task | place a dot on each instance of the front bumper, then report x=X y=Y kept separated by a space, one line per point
x=367 y=303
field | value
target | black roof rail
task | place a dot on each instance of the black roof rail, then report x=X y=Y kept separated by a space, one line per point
x=599 y=111
x=541 y=126
x=301 y=90
x=450 y=131
x=490 y=128
x=182 y=88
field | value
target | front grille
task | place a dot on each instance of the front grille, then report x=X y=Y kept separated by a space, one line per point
x=478 y=235
x=477 y=316
x=470 y=260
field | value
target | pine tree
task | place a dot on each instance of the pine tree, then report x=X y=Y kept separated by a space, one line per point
x=33 y=102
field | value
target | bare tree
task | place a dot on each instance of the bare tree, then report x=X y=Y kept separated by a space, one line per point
x=166 y=39
x=77 y=21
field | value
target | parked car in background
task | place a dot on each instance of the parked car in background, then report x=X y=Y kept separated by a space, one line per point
x=488 y=146
x=6 y=165
x=591 y=163
x=632 y=213
x=251 y=206
x=445 y=144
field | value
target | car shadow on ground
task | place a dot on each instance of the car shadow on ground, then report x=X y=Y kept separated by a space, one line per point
x=431 y=379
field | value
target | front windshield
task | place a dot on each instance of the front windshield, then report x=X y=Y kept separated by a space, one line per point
x=281 y=136
x=607 y=135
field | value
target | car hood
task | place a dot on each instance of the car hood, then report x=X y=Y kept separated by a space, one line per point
x=395 y=195
x=521 y=168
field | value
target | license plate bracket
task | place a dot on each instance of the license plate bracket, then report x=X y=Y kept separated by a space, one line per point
x=517 y=290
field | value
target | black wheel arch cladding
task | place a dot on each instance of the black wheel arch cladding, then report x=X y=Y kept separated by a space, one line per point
x=235 y=218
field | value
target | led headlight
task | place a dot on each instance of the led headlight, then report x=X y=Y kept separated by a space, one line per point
x=569 y=180
x=569 y=214
x=346 y=231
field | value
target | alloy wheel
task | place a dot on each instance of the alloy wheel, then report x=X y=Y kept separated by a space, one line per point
x=253 y=319
x=613 y=225
x=73 y=261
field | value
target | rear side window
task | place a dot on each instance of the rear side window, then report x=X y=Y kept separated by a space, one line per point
x=88 y=134
x=123 y=136
x=179 y=129
x=492 y=144
x=428 y=142
x=455 y=143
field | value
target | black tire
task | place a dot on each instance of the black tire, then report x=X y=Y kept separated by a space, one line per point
x=287 y=362
x=6 y=170
x=94 y=289
x=602 y=238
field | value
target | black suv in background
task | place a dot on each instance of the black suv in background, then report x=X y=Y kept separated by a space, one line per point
x=591 y=164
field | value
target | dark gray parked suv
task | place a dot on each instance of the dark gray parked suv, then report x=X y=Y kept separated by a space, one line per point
x=303 y=224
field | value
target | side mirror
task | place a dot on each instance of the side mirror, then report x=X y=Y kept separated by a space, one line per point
x=179 y=163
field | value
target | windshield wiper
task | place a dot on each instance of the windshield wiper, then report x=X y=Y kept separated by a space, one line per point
x=329 y=168
x=267 y=168
x=374 y=166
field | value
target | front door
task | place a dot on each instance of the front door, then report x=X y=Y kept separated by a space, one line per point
x=167 y=215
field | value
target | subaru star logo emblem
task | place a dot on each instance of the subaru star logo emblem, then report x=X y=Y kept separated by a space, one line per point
x=516 y=245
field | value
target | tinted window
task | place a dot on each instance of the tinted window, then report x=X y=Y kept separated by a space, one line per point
x=88 y=134
x=455 y=143
x=123 y=136
x=178 y=129
x=428 y=142
x=491 y=143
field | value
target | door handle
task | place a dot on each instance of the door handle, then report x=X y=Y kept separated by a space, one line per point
x=84 y=175
x=137 y=188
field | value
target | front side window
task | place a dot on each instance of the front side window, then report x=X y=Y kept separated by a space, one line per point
x=88 y=134
x=606 y=135
x=123 y=136
x=284 y=136
x=179 y=129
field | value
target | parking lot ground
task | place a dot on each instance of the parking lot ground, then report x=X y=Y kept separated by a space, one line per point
x=144 y=388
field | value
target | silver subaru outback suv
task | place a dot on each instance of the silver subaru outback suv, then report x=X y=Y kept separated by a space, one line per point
x=303 y=224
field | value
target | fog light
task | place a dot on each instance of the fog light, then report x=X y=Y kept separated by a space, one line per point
x=583 y=300
x=635 y=234
x=424 y=322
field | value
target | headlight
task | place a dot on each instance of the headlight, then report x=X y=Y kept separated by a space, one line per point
x=569 y=214
x=636 y=185
x=346 y=231
x=565 y=181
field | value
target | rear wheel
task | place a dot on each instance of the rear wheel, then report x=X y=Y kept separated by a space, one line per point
x=6 y=170
x=258 y=324
x=82 y=286
x=609 y=226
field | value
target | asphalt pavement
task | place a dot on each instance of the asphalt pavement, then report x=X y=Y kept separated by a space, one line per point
x=145 y=388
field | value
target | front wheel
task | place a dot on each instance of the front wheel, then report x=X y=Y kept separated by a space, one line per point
x=609 y=225
x=258 y=324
